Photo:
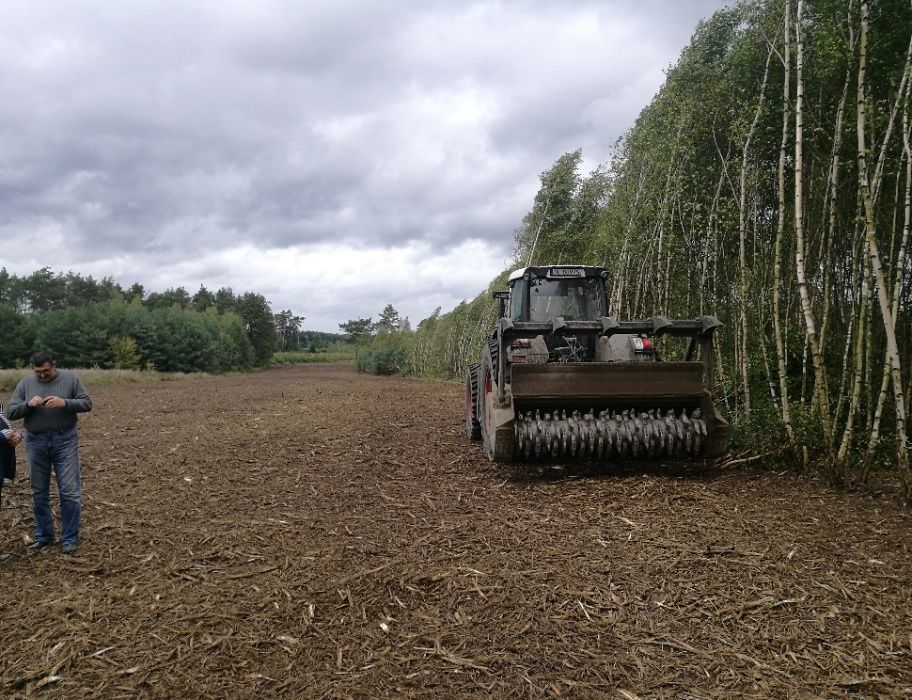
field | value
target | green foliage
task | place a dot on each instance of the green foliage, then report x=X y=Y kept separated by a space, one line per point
x=357 y=330
x=288 y=327
x=565 y=213
x=258 y=321
x=177 y=296
x=316 y=340
x=386 y=353
x=89 y=323
x=446 y=344
x=14 y=343
x=203 y=299
x=233 y=347
x=124 y=353
x=128 y=336
x=79 y=336
x=188 y=341
x=389 y=321
x=135 y=294
x=281 y=358
x=225 y=300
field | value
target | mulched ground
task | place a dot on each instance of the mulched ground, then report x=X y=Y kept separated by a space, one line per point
x=310 y=532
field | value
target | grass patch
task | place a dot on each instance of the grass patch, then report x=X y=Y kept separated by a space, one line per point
x=9 y=378
x=284 y=358
x=94 y=376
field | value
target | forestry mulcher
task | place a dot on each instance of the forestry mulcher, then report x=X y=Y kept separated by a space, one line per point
x=559 y=379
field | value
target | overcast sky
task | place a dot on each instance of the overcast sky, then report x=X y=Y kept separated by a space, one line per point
x=334 y=156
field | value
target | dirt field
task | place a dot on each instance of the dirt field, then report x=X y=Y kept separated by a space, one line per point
x=309 y=532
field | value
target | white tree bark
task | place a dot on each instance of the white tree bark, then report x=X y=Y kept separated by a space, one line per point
x=900 y=263
x=742 y=248
x=820 y=393
x=902 y=456
x=780 y=231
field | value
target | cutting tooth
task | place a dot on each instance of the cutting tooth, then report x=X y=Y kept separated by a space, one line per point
x=564 y=436
x=623 y=442
x=520 y=430
x=573 y=424
x=669 y=433
x=701 y=430
x=635 y=436
x=593 y=433
x=648 y=433
x=688 y=433
x=610 y=432
x=675 y=434
x=589 y=427
x=552 y=437
x=584 y=436
x=653 y=437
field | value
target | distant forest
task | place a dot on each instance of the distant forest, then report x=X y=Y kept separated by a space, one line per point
x=768 y=183
x=86 y=323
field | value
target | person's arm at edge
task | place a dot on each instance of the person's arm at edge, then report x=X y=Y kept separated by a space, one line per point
x=18 y=406
x=4 y=431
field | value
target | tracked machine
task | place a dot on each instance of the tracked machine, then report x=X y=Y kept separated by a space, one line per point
x=559 y=379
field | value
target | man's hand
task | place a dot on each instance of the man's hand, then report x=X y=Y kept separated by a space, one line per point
x=15 y=438
x=36 y=401
x=54 y=402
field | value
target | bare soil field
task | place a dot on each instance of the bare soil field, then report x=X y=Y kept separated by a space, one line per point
x=311 y=532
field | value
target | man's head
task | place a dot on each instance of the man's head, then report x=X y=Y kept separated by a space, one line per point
x=43 y=366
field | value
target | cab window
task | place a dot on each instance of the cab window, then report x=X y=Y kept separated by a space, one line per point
x=574 y=299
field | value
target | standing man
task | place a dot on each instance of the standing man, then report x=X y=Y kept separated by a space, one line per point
x=48 y=401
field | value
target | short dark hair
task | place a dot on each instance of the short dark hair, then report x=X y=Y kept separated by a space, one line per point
x=41 y=358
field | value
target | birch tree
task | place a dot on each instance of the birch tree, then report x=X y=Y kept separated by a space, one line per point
x=821 y=400
x=902 y=457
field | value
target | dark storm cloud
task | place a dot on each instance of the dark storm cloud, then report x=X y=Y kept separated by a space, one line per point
x=154 y=135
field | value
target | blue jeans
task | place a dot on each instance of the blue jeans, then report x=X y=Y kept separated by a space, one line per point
x=60 y=451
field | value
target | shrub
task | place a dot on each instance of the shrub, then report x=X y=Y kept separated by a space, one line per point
x=124 y=353
x=386 y=353
x=281 y=358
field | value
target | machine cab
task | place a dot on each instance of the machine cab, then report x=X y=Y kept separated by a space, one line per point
x=572 y=292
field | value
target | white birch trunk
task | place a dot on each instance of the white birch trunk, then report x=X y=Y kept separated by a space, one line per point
x=900 y=263
x=742 y=247
x=820 y=394
x=780 y=232
x=902 y=457
x=619 y=288
x=857 y=373
x=832 y=196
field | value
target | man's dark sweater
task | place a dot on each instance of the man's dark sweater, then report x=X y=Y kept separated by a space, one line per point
x=39 y=419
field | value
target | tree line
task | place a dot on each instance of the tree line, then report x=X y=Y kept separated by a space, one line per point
x=768 y=183
x=86 y=322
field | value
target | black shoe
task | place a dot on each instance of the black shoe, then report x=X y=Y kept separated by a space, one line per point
x=68 y=548
x=39 y=544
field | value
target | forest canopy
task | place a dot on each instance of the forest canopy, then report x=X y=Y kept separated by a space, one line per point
x=86 y=323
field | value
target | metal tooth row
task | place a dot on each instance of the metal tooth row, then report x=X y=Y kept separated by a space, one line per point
x=629 y=433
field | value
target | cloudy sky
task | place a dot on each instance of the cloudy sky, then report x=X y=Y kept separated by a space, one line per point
x=332 y=155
